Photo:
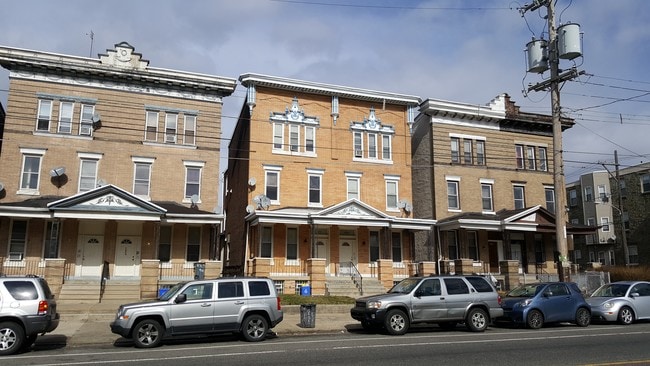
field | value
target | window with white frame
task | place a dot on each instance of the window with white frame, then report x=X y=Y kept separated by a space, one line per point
x=645 y=183
x=18 y=240
x=519 y=156
x=602 y=193
x=453 y=194
x=171 y=123
x=549 y=193
x=86 y=120
x=193 y=253
x=366 y=138
x=396 y=245
x=31 y=170
x=543 y=159
x=301 y=131
x=386 y=147
x=266 y=244
x=151 y=128
x=193 y=172
x=189 y=130
x=292 y=243
x=392 y=189
x=51 y=240
x=142 y=176
x=604 y=223
x=165 y=243
x=278 y=136
x=486 y=195
x=88 y=171
x=353 y=185
x=358 y=145
x=372 y=146
x=272 y=183
x=519 y=193
x=294 y=138
x=315 y=181
x=530 y=158
x=310 y=139
x=44 y=115
x=455 y=150
x=468 y=157
x=480 y=152
x=589 y=194
x=573 y=198
x=65 y=117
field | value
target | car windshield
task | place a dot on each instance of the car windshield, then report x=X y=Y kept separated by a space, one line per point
x=525 y=290
x=171 y=292
x=405 y=286
x=611 y=290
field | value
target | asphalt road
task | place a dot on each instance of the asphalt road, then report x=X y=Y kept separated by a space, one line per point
x=563 y=344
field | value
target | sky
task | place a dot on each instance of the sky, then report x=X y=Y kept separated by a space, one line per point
x=467 y=51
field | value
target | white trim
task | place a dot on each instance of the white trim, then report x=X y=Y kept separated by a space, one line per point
x=469 y=137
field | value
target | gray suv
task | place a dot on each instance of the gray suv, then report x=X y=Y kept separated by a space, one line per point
x=443 y=300
x=246 y=305
x=27 y=309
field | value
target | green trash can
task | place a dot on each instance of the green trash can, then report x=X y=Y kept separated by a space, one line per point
x=308 y=315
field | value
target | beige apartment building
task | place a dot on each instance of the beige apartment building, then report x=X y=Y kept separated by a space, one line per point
x=485 y=174
x=110 y=168
x=318 y=187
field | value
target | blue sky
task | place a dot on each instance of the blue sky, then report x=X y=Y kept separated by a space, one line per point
x=466 y=51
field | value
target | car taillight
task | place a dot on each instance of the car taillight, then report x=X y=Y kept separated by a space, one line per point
x=499 y=299
x=43 y=307
x=279 y=303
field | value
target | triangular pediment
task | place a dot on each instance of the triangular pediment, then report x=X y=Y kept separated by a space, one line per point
x=352 y=208
x=534 y=215
x=106 y=198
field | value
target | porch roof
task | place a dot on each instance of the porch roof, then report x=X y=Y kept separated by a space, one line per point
x=348 y=213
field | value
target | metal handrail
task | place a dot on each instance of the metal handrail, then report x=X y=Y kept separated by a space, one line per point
x=102 y=282
x=357 y=275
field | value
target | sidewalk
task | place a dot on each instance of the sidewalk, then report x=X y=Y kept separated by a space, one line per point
x=89 y=323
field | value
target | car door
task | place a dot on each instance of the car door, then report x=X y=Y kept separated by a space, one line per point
x=557 y=303
x=427 y=302
x=195 y=315
x=641 y=302
x=230 y=302
x=457 y=297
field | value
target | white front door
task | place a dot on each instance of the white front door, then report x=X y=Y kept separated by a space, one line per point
x=89 y=255
x=348 y=250
x=321 y=252
x=127 y=256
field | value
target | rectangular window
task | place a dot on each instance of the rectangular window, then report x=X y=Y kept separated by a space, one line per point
x=452 y=245
x=51 y=240
x=386 y=149
x=602 y=193
x=550 y=199
x=486 y=197
x=292 y=243
x=453 y=201
x=87 y=175
x=589 y=194
x=315 y=190
x=353 y=188
x=543 y=159
x=294 y=138
x=480 y=152
x=44 y=115
x=623 y=187
x=142 y=179
x=467 y=151
x=151 y=129
x=18 y=240
x=193 y=244
x=358 y=145
x=472 y=245
x=278 y=136
x=391 y=195
x=645 y=183
x=266 y=245
x=633 y=252
x=573 y=198
x=530 y=157
x=374 y=246
x=540 y=256
x=520 y=197
x=65 y=117
x=604 y=222
x=519 y=155
x=171 y=121
x=310 y=139
x=165 y=243
x=455 y=150
x=86 y=121
x=31 y=172
x=372 y=146
x=189 y=132
x=192 y=181
x=272 y=186
x=397 y=247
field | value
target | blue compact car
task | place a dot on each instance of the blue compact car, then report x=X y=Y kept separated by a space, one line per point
x=536 y=304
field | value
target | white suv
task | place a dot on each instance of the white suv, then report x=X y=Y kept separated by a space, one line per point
x=27 y=309
x=246 y=305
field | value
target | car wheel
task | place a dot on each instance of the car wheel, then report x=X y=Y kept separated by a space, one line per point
x=148 y=334
x=254 y=328
x=583 y=317
x=12 y=337
x=535 y=319
x=447 y=325
x=397 y=323
x=477 y=320
x=625 y=316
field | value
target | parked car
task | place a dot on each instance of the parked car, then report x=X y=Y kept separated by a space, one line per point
x=246 y=305
x=623 y=301
x=27 y=309
x=536 y=304
x=442 y=300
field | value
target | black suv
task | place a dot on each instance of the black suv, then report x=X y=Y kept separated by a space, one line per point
x=27 y=309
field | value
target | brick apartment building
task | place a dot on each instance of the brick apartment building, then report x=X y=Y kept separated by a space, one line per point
x=110 y=167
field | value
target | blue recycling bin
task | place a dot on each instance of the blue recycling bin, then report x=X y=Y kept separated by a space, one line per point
x=305 y=291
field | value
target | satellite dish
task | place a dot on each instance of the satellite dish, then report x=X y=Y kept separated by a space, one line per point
x=250 y=208
x=101 y=183
x=2 y=186
x=57 y=172
x=401 y=204
x=258 y=199
x=252 y=181
x=266 y=202
x=96 y=118
x=194 y=199
x=408 y=207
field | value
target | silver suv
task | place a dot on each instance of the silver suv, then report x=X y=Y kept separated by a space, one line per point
x=444 y=300
x=27 y=309
x=246 y=305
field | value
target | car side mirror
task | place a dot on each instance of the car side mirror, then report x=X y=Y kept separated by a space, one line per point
x=418 y=293
x=634 y=294
x=548 y=294
x=180 y=298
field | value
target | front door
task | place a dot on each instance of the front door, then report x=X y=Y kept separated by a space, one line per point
x=89 y=255
x=321 y=252
x=348 y=258
x=127 y=256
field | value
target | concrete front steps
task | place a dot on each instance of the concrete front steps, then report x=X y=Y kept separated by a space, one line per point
x=88 y=292
x=344 y=286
